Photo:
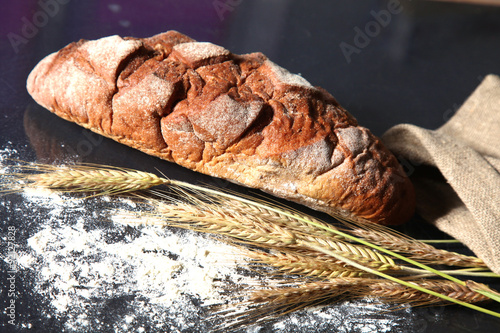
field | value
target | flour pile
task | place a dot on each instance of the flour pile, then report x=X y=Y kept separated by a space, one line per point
x=84 y=264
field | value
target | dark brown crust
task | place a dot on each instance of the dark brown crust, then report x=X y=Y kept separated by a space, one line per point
x=238 y=117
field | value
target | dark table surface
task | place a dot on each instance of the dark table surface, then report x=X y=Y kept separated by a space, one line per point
x=387 y=62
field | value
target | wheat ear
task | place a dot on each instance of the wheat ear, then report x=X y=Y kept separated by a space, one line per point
x=294 y=221
x=400 y=243
x=317 y=267
x=212 y=218
x=308 y=293
x=265 y=304
x=78 y=178
x=394 y=292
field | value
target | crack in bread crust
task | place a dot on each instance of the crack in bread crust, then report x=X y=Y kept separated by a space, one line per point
x=238 y=117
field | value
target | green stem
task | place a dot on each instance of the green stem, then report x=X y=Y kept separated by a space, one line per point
x=457 y=272
x=439 y=241
x=471 y=273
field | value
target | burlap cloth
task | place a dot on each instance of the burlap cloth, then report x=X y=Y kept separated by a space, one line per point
x=456 y=171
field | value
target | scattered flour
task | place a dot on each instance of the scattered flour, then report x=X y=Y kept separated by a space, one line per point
x=89 y=272
x=162 y=274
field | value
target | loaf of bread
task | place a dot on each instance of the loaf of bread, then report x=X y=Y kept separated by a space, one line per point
x=238 y=117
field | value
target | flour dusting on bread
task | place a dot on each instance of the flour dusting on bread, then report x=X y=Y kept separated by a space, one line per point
x=238 y=117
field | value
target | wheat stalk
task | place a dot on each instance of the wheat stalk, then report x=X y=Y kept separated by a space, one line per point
x=257 y=223
x=88 y=178
x=421 y=267
x=115 y=180
x=265 y=304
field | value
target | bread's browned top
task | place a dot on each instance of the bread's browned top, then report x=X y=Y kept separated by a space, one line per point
x=239 y=117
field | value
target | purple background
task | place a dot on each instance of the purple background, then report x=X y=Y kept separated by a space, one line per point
x=417 y=69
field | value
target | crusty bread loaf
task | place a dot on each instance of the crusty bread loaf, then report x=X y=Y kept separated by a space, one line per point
x=238 y=117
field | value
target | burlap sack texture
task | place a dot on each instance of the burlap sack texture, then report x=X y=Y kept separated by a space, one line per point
x=456 y=171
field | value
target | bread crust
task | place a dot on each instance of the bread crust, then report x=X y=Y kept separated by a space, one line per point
x=238 y=117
